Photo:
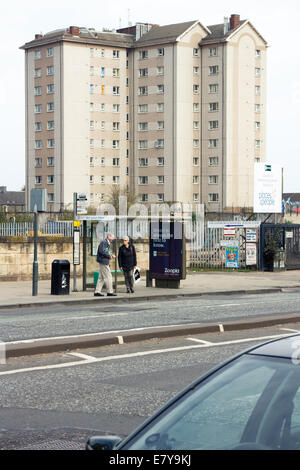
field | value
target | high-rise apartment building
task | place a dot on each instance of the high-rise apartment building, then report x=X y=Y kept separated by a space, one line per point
x=176 y=112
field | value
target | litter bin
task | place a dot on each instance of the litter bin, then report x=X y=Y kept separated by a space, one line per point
x=60 y=277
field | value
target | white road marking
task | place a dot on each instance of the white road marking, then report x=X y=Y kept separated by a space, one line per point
x=83 y=356
x=200 y=341
x=289 y=329
x=138 y=354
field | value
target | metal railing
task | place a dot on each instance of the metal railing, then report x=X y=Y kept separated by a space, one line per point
x=26 y=229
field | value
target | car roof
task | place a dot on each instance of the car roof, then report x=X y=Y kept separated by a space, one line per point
x=288 y=347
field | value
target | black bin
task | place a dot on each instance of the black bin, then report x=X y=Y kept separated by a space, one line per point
x=60 y=277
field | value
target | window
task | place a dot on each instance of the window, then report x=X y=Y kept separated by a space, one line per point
x=102 y=53
x=102 y=89
x=195 y=197
x=213 y=197
x=257 y=108
x=37 y=54
x=50 y=197
x=50 y=70
x=257 y=90
x=213 y=70
x=196 y=52
x=213 y=107
x=116 y=126
x=213 y=125
x=213 y=52
x=102 y=143
x=160 y=70
x=160 y=180
x=50 y=125
x=92 y=70
x=38 y=126
x=116 y=108
x=102 y=125
x=196 y=179
x=143 y=144
x=213 y=179
x=257 y=125
x=196 y=70
x=258 y=53
x=159 y=143
x=102 y=107
x=50 y=52
x=37 y=91
x=143 y=72
x=257 y=71
x=116 y=73
x=38 y=144
x=160 y=197
x=257 y=159
x=91 y=161
x=160 y=107
x=160 y=125
x=143 y=197
x=50 y=179
x=213 y=161
x=257 y=144
x=102 y=161
x=143 y=108
x=50 y=89
x=37 y=73
x=92 y=125
x=143 y=161
x=92 y=107
x=38 y=108
x=115 y=144
x=92 y=52
x=143 y=179
x=160 y=161
x=196 y=143
x=143 y=126
x=143 y=55
x=116 y=54
x=143 y=90
x=91 y=179
x=38 y=162
x=196 y=107
x=38 y=180
x=196 y=125
x=102 y=179
x=116 y=162
x=196 y=161
x=213 y=143
x=196 y=89
x=160 y=89
x=92 y=88
x=102 y=72
x=92 y=143
x=116 y=90
x=160 y=51
x=214 y=88
x=50 y=143
x=50 y=161
x=50 y=107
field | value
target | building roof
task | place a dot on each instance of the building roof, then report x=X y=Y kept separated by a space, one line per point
x=167 y=33
x=11 y=198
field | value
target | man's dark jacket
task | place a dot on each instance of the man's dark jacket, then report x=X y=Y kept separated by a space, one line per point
x=127 y=257
x=103 y=253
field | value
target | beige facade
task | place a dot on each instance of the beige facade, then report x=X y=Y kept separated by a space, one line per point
x=177 y=113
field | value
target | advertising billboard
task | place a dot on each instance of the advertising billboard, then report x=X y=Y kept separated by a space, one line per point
x=267 y=188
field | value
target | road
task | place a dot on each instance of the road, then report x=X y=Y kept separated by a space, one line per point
x=55 y=401
x=55 y=321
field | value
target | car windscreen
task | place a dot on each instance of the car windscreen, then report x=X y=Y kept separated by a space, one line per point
x=248 y=400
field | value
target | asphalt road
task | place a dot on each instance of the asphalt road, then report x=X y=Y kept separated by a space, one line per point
x=41 y=322
x=56 y=401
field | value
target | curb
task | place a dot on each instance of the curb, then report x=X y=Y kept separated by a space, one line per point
x=60 y=344
x=143 y=298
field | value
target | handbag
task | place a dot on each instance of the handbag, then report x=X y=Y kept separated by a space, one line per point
x=136 y=275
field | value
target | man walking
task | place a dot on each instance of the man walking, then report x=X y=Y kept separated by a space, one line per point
x=103 y=258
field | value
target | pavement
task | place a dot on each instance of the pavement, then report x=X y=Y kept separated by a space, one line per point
x=19 y=294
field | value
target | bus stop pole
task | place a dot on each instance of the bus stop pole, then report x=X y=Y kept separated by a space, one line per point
x=84 y=255
x=116 y=255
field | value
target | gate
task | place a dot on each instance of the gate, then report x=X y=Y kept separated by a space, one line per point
x=285 y=237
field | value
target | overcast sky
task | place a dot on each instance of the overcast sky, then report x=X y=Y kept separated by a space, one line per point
x=277 y=21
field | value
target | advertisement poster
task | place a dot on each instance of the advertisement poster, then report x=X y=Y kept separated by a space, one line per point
x=267 y=188
x=232 y=257
x=166 y=251
x=251 y=254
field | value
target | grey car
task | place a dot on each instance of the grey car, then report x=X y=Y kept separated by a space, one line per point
x=250 y=402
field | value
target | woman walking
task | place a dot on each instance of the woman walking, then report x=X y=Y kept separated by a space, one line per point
x=127 y=262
